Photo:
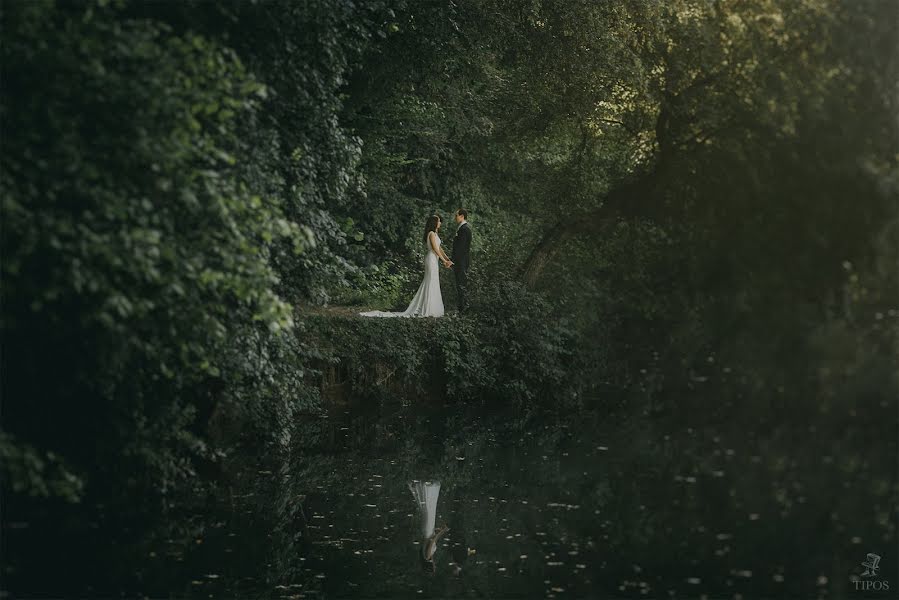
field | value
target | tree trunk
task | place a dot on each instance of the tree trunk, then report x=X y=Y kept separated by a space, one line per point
x=626 y=201
x=631 y=199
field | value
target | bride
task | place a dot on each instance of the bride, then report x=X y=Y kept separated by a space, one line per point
x=426 y=494
x=427 y=301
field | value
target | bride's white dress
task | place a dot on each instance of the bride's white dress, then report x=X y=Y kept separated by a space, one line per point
x=426 y=494
x=427 y=302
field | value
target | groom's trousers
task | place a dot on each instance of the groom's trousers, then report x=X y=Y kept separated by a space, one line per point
x=461 y=288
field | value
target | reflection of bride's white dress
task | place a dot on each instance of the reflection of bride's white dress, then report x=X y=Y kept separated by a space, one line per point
x=427 y=302
x=425 y=494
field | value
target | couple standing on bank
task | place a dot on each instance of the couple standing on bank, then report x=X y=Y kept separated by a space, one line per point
x=428 y=301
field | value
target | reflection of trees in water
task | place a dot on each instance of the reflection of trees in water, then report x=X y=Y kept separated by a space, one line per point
x=733 y=490
x=588 y=501
x=588 y=505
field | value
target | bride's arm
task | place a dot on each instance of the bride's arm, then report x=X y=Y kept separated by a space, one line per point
x=430 y=548
x=437 y=249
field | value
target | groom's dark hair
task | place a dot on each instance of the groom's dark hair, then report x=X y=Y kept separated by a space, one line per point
x=463 y=212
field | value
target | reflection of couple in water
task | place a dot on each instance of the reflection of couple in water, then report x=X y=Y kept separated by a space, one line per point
x=426 y=494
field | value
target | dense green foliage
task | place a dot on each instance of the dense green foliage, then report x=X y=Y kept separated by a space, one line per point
x=664 y=195
x=137 y=257
x=509 y=352
x=677 y=175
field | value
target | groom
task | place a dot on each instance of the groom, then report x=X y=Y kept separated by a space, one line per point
x=460 y=258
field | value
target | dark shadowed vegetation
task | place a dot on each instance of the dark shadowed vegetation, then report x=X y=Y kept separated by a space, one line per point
x=686 y=219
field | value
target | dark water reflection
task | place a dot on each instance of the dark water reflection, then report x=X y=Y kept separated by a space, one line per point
x=539 y=506
x=549 y=506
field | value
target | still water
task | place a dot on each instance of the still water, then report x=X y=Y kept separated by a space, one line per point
x=400 y=501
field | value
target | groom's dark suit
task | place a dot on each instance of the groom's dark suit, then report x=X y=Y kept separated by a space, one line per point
x=461 y=261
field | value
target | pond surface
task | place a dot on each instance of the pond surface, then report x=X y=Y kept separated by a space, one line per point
x=536 y=505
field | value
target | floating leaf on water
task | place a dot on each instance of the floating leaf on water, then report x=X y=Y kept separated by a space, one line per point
x=562 y=505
